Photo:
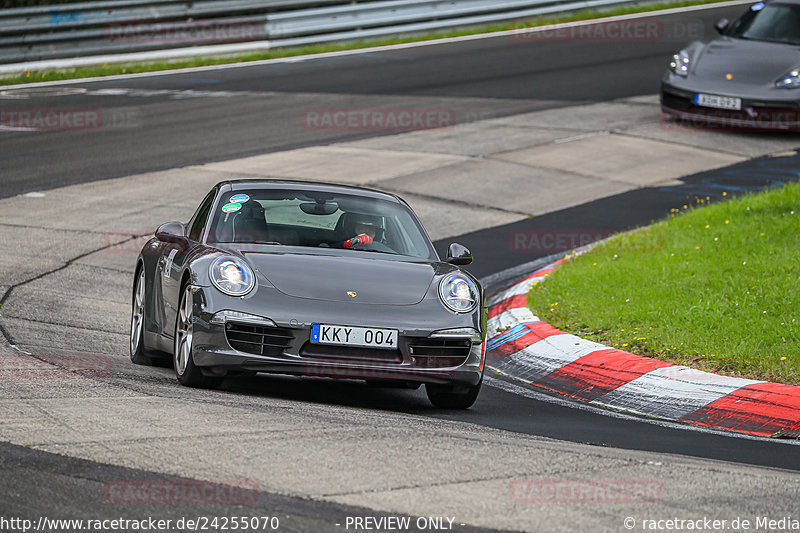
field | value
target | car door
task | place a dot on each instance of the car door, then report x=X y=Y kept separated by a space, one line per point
x=176 y=256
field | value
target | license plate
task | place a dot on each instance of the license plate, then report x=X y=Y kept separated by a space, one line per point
x=353 y=336
x=717 y=102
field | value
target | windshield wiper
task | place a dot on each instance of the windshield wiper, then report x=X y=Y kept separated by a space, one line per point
x=378 y=252
x=764 y=40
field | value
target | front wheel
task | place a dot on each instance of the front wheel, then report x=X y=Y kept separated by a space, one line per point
x=453 y=396
x=185 y=370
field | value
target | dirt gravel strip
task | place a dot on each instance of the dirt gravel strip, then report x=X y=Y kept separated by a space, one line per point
x=526 y=348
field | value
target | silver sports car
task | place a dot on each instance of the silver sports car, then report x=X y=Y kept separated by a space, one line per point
x=309 y=279
x=748 y=77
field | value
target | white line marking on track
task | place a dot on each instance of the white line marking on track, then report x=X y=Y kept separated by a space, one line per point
x=16 y=128
x=582 y=136
x=20 y=350
x=401 y=46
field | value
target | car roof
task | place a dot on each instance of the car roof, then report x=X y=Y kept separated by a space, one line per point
x=266 y=184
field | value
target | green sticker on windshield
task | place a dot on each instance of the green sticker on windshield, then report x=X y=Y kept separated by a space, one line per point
x=231 y=207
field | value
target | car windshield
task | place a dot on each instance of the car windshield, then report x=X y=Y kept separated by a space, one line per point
x=319 y=220
x=775 y=23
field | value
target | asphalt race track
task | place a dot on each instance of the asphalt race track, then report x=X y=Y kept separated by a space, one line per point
x=169 y=121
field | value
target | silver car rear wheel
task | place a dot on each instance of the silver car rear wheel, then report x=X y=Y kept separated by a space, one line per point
x=137 y=314
x=140 y=355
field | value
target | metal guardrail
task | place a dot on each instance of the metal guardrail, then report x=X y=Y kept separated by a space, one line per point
x=69 y=16
x=124 y=26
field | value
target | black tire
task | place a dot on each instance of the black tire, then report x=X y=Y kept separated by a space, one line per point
x=453 y=396
x=187 y=373
x=139 y=355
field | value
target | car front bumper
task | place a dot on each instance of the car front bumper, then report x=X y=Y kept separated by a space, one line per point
x=762 y=109
x=286 y=349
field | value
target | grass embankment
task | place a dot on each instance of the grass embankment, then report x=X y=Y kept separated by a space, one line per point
x=133 y=68
x=714 y=287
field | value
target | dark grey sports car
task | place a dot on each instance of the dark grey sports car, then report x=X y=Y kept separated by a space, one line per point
x=313 y=280
x=748 y=77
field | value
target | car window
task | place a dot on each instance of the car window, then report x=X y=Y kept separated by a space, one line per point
x=200 y=217
x=319 y=220
x=778 y=23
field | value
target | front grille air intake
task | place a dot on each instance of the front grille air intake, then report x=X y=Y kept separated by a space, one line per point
x=439 y=353
x=348 y=353
x=258 y=340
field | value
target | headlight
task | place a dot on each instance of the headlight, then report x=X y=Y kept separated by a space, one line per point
x=458 y=293
x=232 y=276
x=680 y=63
x=789 y=81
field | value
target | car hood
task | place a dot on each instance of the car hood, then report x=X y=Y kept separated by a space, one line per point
x=750 y=62
x=336 y=278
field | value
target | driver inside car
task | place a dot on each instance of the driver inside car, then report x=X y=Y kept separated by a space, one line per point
x=364 y=229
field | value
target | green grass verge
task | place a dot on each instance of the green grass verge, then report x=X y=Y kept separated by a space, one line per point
x=131 y=68
x=714 y=287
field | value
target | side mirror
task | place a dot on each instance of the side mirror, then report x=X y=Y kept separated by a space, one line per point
x=459 y=255
x=721 y=25
x=173 y=232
